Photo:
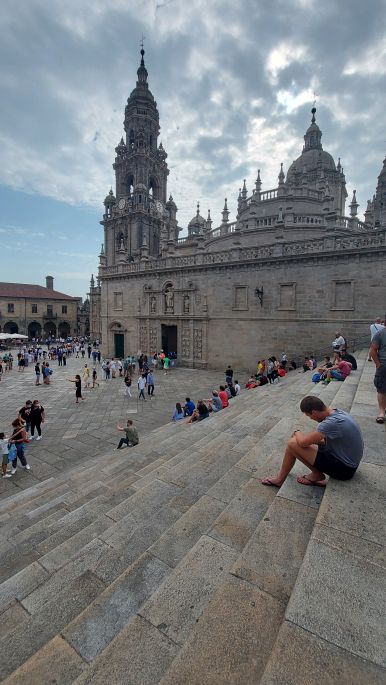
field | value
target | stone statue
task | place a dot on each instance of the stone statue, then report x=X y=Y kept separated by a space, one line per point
x=153 y=304
x=186 y=304
x=169 y=301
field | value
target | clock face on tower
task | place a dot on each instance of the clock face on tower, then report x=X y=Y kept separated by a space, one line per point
x=122 y=203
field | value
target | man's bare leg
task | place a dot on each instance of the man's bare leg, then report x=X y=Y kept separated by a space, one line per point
x=306 y=455
x=381 y=404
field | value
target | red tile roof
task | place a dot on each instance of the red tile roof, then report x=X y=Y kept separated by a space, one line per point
x=35 y=292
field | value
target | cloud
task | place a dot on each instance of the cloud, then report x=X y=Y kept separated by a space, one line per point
x=234 y=84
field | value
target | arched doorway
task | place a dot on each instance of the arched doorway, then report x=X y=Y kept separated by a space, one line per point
x=11 y=327
x=34 y=329
x=64 y=329
x=50 y=329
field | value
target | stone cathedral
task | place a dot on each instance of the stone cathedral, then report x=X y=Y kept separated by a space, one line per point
x=289 y=272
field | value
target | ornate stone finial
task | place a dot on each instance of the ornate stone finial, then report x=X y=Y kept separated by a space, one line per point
x=209 y=219
x=281 y=175
x=244 y=192
x=225 y=212
x=92 y=282
x=102 y=249
x=313 y=112
x=142 y=71
x=354 y=205
x=258 y=182
x=198 y=209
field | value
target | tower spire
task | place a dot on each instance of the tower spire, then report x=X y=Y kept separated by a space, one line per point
x=142 y=71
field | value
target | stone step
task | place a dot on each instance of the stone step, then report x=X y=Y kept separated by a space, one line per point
x=227 y=644
x=338 y=625
x=189 y=508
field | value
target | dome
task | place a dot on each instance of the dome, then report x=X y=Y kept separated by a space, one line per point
x=197 y=220
x=313 y=156
x=310 y=160
x=110 y=198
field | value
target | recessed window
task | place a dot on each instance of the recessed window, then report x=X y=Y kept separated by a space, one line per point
x=118 y=301
x=240 y=297
x=64 y=309
x=50 y=310
x=34 y=308
x=11 y=308
x=287 y=296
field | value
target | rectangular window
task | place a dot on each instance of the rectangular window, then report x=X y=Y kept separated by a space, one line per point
x=287 y=296
x=118 y=301
x=64 y=309
x=34 y=308
x=50 y=310
x=240 y=297
x=11 y=308
x=342 y=295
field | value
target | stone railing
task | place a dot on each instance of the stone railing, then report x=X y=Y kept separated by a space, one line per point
x=268 y=195
x=309 y=219
x=327 y=244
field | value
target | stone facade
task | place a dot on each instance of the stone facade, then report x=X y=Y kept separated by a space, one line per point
x=37 y=311
x=290 y=271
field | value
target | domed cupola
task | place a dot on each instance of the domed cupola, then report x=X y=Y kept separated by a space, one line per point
x=196 y=225
x=313 y=137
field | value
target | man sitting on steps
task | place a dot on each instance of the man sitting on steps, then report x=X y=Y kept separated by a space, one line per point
x=335 y=448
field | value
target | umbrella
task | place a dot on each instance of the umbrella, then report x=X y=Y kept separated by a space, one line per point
x=18 y=336
x=5 y=336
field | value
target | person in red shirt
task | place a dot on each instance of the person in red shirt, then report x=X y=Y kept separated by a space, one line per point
x=340 y=370
x=223 y=395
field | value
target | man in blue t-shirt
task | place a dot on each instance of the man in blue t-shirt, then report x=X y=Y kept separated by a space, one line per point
x=335 y=448
x=378 y=355
x=189 y=407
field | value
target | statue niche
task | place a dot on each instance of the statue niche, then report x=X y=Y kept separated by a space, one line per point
x=169 y=300
x=186 y=304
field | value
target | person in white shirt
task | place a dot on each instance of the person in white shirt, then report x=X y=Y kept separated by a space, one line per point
x=237 y=388
x=339 y=343
x=4 y=455
x=376 y=327
x=141 y=387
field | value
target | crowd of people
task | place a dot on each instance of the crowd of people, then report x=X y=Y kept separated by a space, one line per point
x=336 y=366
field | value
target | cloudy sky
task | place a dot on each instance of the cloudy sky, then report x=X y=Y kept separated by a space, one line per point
x=234 y=82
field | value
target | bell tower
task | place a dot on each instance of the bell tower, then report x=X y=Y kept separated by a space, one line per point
x=139 y=212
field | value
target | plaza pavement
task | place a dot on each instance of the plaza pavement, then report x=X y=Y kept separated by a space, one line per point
x=73 y=432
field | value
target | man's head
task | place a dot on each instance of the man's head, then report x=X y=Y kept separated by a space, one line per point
x=378 y=319
x=187 y=399
x=129 y=422
x=327 y=358
x=222 y=387
x=313 y=407
x=236 y=382
x=28 y=403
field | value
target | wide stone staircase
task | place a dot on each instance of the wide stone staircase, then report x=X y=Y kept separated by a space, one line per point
x=170 y=562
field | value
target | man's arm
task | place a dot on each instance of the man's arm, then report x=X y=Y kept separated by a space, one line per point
x=374 y=354
x=305 y=440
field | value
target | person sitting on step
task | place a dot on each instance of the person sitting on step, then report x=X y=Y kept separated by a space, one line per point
x=334 y=449
x=131 y=438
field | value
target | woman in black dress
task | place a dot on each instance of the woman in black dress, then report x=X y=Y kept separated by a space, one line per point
x=78 y=387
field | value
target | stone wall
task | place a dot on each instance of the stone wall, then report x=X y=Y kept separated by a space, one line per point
x=309 y=293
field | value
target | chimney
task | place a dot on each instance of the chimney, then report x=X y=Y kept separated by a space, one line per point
x=50 y=282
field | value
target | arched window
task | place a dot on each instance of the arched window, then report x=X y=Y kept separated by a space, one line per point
x=131 y=138
x=153 y=187
x=130 y=184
